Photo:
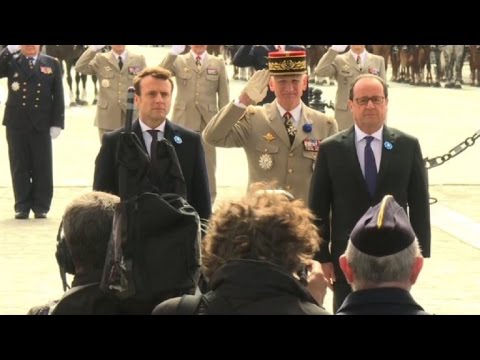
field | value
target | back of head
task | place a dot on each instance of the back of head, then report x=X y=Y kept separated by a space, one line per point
x=264 y=225
x=383 y=247
x=87 y=224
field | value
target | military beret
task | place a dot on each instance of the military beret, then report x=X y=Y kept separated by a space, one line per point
x=383 y=230
x=287 y=62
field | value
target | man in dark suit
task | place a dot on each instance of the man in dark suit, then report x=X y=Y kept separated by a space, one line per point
x=356 y=168
x=153 y=98
x=257 y=57
x=34 y=115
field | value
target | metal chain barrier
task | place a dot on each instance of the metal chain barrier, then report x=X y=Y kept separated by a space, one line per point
x=440 y=160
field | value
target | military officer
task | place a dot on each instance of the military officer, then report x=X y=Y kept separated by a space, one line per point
x=115 y=70
x=345 y=68
x=280 y=139
x=202 y=89
x=34 y=115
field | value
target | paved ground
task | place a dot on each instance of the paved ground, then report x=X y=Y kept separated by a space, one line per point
x=440 y=118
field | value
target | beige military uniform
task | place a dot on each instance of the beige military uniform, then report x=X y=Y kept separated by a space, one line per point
x=260 y=130
x=200 y=93
x=345 y=69
x=113 y=84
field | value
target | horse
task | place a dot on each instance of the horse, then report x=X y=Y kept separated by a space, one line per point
x=70 y=54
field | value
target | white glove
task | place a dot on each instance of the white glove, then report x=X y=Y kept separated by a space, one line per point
x=97 y=47
x=13 y=48
x=339 y=48
x=177 y=49
x=55 y=131
x=257 y=86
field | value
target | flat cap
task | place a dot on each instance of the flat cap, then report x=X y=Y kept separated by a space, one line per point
x=383 y=230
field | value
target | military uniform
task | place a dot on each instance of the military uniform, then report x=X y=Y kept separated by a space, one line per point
x=112 y=95
x=345 y=69
x=261 y=131
x=200 y=93
x=35 y=103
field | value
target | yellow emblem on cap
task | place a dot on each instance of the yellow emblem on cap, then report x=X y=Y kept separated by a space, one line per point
x=269 y=137
x=382 y=210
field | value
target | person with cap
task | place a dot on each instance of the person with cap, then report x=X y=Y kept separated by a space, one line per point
x=115 y=70
x=382 y=263
x=356 y=168
x=253 y=250
x=280 y=139
x=202 y=89
x=345 y=68
x=256 y=56
x=34 y=115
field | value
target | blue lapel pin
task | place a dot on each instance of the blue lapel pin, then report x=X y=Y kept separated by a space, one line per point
x=388 y=145
x=177 y=139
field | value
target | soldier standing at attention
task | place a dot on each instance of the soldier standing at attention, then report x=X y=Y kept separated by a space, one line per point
x=115 y=71
x=202 y=89
x=281 y=139
x=34 y=115
x=345 y=68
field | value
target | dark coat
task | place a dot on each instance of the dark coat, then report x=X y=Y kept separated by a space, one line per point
x=190 y=155
x=338 y=186
x=35 y=97
x=250 y=287
x=381 y=301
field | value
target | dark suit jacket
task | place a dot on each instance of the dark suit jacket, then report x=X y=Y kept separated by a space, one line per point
x=257 y=57
x=338 y=186
x=190 y=155
x=381 y=301
x=35 y=96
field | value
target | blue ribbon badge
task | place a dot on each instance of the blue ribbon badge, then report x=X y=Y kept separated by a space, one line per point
x=388 y=145
x=307 y=128
x=177 y=139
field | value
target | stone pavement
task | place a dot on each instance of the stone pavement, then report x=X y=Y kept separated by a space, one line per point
x=448 y=284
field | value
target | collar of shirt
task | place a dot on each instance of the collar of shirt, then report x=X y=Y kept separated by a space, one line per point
x=123 y=55
x=147 y=138
x=360 y=135
x=202 y=56
x=32 y=57
x=296 y=112
x=363 y=55
x=145 y=127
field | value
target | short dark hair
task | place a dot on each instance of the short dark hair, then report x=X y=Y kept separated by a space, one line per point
x=369 y=76
x=156 y=72
x=87 y=224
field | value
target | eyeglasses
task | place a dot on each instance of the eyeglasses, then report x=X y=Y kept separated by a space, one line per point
x=376 y=100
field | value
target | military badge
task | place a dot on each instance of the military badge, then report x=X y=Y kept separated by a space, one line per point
x=46 y=70
x=133 y=70
x=15 y=86
x=373 y=71
x=212 y=71
x=108 y=68
x=265 y=161
x=105 y=83
x=269 y=137
x=15 y=75
x=311 y=145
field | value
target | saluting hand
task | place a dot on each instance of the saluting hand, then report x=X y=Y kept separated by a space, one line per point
x=256 y=88
x=97 y=47
x=339 y=48
x=178 y=49
x=13 y=48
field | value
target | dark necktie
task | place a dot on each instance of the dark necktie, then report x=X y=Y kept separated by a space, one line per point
x=120 y=62
x=153 y=145
x=30 y=62
x=370 y=166
x=198 y=62
x=291 y=130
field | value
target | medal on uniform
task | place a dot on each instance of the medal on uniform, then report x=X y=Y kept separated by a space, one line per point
x=15 y=75
x=265 y=161
x=269 y=137
x=307 y=128
x=105 y=83
x=15 y=86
